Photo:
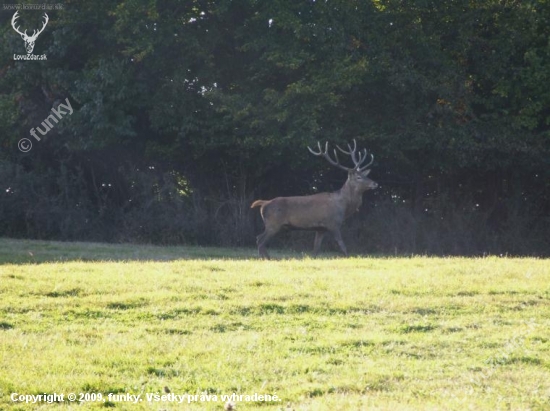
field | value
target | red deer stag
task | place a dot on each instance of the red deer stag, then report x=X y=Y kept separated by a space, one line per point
x=323 y=212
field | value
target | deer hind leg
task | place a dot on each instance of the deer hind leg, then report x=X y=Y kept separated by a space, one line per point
x=319 y=235
x=338 y=238
x=262 y=240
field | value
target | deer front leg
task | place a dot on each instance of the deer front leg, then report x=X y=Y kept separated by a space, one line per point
x=319 y=235
x=338 y=238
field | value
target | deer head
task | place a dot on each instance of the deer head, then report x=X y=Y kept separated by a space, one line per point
x=29 y=40
x=357 y=175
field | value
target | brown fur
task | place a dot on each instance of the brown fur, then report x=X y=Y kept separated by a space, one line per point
x=323 y=212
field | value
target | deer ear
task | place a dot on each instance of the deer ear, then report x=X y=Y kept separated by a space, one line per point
x=366 y=172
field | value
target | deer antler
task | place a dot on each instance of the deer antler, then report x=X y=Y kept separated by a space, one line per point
x=357 y=158
x=35 y=35
x=362 y=156
x=15 y=17
x=35 y=32
x=326 y=155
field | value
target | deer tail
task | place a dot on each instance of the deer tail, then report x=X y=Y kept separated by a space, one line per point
x=258 y=203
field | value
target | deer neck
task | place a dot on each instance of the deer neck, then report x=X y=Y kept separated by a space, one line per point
x=352 y=198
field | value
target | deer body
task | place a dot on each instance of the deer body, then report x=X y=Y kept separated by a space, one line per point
x=323 y=212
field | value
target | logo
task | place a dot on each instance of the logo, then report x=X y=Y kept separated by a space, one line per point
x=29 y=40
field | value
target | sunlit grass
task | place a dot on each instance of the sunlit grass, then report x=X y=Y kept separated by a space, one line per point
x=358 y=333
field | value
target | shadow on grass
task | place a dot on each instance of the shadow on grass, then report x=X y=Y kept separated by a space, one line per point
x=14 y=251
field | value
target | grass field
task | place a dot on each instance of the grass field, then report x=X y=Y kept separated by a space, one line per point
x=331 y=333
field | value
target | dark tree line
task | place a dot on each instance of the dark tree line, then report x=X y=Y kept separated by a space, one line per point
x=186 y=111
